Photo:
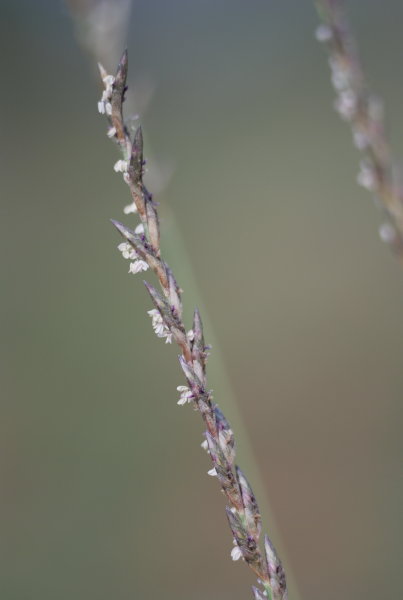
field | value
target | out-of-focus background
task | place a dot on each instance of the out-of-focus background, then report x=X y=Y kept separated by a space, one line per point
x=104 y=489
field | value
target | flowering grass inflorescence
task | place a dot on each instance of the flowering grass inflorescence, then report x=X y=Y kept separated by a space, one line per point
x=142 y=248
x=358 y=106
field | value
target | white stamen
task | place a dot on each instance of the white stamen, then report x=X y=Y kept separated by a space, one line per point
x=160 y=329
x=130 y=208
x=120 y=165
x=346 y=104
x=127 y=250
x=339 y=74
x=204 y=445
x=186 y=395
x=137 y=266
x=387 y=233
x=323 y=33
x=366 y=177
x=236 y=553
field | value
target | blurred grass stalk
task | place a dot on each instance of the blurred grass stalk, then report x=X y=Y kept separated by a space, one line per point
x=358 y=106
x=101 y=28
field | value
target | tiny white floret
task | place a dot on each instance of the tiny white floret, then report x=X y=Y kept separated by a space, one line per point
x=360 y=139
x=137 y=266
x=323 y=33
x=111 y=132
x=186 y=395
x=387 y=233
x=160 y=329
x=212 y=472
x=130 y=208
x=120 y=165
x=139 y=229
x=366 y=177
x=127 y=250
x=204 y=445
x=346 y=104
x=236 y=553
x=340 y=74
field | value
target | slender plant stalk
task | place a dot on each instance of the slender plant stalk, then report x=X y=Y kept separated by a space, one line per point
x=357 y=105
x=142 y=248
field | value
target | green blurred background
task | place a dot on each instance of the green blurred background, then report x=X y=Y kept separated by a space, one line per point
x=104 y=486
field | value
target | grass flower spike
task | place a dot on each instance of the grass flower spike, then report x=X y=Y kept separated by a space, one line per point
x=359 y=107
x=141 y=245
